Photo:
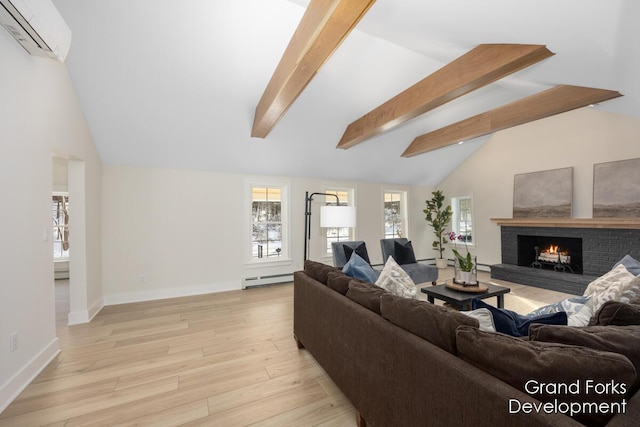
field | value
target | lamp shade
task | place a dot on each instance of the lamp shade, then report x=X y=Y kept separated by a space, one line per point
x=337 y=216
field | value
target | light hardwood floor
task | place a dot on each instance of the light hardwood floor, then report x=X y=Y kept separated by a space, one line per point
x=226 y=359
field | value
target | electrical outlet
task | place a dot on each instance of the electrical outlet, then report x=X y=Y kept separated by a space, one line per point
x=13 y=341
x=141 y=279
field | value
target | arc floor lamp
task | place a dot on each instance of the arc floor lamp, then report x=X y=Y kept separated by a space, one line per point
x=330 y=216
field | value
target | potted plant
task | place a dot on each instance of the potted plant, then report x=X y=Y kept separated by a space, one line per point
x=463 y=265
x=439 y=217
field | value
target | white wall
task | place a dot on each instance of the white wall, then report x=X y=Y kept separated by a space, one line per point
x=39 y=116
x=577 y=139
x=187 y=232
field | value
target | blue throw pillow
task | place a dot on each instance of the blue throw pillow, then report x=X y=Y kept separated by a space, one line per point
x=630 y=263
x=358 y=268
x=511 y=323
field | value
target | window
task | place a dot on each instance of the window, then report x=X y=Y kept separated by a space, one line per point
x=338 y=234
x=463 y=217
x=268 y=221
x=395 y=220
x=60 y=215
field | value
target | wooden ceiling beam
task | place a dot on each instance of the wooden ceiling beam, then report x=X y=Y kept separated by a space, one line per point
x=480 y=66
x=324 y=25
x=556 y=100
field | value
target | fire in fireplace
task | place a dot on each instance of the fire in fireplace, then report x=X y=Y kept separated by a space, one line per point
x=553 y=254
x=557 y=253
x=559 y=259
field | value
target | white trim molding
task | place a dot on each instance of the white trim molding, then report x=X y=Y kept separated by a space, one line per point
x=177 y=292
x=16 y=384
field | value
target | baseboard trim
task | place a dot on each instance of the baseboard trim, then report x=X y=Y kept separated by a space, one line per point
x=16 y=384
x=157 y=294
x=85 y=316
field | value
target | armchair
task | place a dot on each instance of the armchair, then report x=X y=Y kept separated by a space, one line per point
x=402 y=251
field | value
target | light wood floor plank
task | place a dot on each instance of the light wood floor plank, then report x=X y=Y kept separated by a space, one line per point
x=259 y=409
x=91 y=404
x=188 y=392
x=175 y=416
x=310 y=414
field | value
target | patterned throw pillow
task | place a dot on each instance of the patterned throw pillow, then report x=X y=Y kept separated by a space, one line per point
x=631 y=292
x=570 y=306
x=583 y=316
x=609 y=286
x=395 y=280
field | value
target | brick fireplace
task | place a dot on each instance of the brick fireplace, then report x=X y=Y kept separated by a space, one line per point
x=586 y=249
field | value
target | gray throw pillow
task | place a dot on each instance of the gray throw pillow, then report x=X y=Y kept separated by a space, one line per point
x=632 y=264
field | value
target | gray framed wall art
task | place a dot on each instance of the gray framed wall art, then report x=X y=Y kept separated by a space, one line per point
x=545 y=194
x=616 y=189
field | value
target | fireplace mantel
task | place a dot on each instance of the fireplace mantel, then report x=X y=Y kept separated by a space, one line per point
x=615 y=223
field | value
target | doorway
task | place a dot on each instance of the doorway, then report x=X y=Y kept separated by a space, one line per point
x=60 y=238
x=77 y=311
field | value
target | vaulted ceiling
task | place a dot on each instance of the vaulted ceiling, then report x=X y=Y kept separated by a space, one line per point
x=176 y=83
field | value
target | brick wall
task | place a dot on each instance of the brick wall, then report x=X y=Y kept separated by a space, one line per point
x=601 y=247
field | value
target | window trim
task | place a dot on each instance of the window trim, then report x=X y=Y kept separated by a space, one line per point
x=404 y=195
x=351 y=195
x=455 y=205
x=285 y=186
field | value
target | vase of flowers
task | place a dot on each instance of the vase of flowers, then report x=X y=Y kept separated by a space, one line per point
x=465 y=266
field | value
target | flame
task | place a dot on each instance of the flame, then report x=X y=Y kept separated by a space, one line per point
x=553 y=249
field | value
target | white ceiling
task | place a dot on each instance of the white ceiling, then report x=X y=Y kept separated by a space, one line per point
x=175 y=83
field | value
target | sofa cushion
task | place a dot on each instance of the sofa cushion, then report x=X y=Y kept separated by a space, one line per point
x=318 y=271
x=338 y=281
x=358 y=268
x=514 y=324
x=609 y=286
x=618 y=339
x=395 y=280
x=630 y=263
x=366 y=294
x=617 y=313
x=403 y=253
x=361 y=250
x=434 y=323
x=527 y=364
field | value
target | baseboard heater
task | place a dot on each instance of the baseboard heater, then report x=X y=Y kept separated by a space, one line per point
x=60 y=274
x=251 y=282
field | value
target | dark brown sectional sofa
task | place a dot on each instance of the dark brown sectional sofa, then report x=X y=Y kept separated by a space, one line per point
x=398 y=360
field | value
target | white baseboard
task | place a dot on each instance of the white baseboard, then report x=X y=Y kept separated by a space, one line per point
x=15 y=385
x=183 y=291
x=85 y=316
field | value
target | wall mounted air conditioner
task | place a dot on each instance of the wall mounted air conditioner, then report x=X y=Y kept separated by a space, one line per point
x=38 y=26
